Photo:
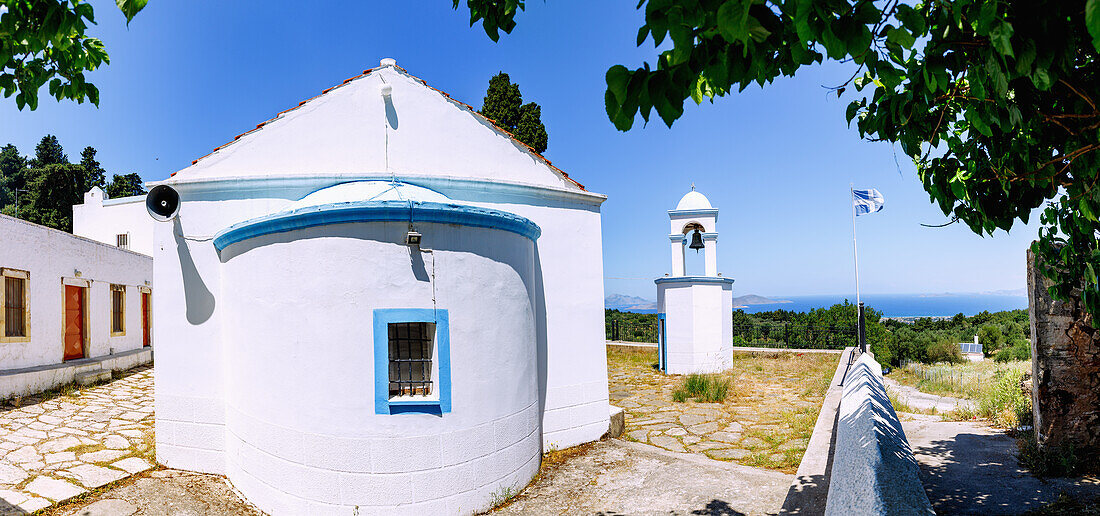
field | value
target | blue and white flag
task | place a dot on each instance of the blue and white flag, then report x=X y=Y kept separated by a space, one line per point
x=867 y=201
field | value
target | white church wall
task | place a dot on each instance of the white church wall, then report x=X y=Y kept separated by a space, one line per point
x=102 y=220
x=52 y=257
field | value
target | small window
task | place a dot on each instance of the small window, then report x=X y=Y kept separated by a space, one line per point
x=412 y=371
x=118 y=309
x=123 y=240
x=15 y=304
x=411 y=350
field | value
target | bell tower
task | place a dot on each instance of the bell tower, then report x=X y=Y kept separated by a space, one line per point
x=694 y=225
x=695 y=313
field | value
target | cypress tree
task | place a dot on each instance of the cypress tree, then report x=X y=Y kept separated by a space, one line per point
x=503 y=104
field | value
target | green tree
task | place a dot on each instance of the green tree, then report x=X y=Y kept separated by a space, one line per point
x=503 y=104
x=13 y=168
x=44 y=42
x=52 y=192
x=996 y=103
x=991 y=338
x=125 y=186
x=48 y=152
x=94 y=175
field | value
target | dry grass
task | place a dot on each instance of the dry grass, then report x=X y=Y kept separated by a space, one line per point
x=965 y=380
x=775 y=396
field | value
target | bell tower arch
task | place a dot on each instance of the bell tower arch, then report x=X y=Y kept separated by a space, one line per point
x=694 y=313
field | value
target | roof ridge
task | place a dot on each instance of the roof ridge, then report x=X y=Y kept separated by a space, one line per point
x=367 y=72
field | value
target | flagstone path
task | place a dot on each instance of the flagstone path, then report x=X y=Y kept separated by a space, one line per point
x=56 y=449
x=766 y=421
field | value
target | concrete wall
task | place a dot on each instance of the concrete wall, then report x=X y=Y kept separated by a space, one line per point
x=52 y=257
x=873 y=470
x=102 y=219
x=30 y=380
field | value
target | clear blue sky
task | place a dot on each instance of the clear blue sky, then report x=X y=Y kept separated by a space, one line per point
x=188 y=76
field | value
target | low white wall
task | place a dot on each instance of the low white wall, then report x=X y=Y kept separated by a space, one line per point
x=51 y=256
x=873 y=468
x=21 y=382
x=102 y=219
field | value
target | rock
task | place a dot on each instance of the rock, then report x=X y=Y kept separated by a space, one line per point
x=668 y=443
x=116 y=442
x=692 y=419
x=676 y=431
x=638 y=435
x=734 y=427
x=52 y=488
x=132 y=465
x=11 y=475
x=94 y=476
x=108 y=507
x=728 y=454
x=704 y=428
x=102 y=455
x=724 y=437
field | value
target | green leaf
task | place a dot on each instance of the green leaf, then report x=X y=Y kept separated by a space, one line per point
x=1092 y=21
x=617 y=79
x=901 y=37
x=1001 y=38
x=130 y=8
x=732 y=20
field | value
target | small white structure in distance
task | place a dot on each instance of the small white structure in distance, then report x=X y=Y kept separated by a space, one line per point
x=72 y=308
x=694 y=313
x=377 y=302
x=972 y=351
x=119 y=222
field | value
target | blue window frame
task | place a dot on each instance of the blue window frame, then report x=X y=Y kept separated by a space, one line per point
x=438 y=404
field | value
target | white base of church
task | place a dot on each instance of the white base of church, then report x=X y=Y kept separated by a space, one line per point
x=696 y=324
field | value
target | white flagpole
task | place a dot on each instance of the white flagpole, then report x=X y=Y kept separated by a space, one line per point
x=855 y=248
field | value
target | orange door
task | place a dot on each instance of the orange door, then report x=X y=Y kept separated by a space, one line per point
x=145 y=318
x=74 y=322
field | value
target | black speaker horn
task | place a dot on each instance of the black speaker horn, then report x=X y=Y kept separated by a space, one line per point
x=163 y=203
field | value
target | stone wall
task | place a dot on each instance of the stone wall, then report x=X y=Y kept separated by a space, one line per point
x=1065 y=388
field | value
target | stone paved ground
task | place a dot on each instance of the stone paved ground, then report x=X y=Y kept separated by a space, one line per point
x=616 y=477
x=74 y=441
x=766 y=421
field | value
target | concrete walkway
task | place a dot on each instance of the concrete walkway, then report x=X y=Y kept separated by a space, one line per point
x=971 y=468
x=54 y=450
x=924 y=401
x=620 y=477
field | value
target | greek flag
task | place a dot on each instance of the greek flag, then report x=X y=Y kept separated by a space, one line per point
x=867 y=201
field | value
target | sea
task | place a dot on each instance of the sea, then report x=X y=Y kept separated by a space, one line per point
x=900 y=305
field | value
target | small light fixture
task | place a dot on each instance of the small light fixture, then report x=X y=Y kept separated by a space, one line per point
x=387 y=91
x=412 y=238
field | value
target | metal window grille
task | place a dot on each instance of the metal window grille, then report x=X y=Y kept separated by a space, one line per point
x=15 y=312
x=117 y=303
x=123 y=240
x=410 y=346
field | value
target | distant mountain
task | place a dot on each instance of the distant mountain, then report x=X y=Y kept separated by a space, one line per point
x=624 y=302
x=753 y=299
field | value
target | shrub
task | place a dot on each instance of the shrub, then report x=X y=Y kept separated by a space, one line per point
x=1004 y=403
x=991 y=338
x=944 y=350
x=1020 y=350
x=708 y=388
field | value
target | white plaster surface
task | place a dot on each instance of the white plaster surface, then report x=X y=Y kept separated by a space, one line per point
x=102 y=219
x=51 y=256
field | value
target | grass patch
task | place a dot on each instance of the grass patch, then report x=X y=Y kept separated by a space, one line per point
x=1066 y=504
x=706 y=388
x=86 y=448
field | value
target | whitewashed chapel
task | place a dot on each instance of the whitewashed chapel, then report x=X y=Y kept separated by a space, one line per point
x=377 y=301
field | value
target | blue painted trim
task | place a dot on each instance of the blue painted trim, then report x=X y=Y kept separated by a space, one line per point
x=713 y=212
x=693 y=279
x=376 y=211
x=382 y=318
x=662 y=359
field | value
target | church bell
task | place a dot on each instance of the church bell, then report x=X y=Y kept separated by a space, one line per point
x=696 y=241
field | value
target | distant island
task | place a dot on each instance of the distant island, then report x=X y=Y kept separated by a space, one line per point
x=626 y=303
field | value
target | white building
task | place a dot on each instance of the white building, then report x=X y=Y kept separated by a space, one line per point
x=694 y=313
x=323 y=362
x=119 y=222
x=73 y=309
